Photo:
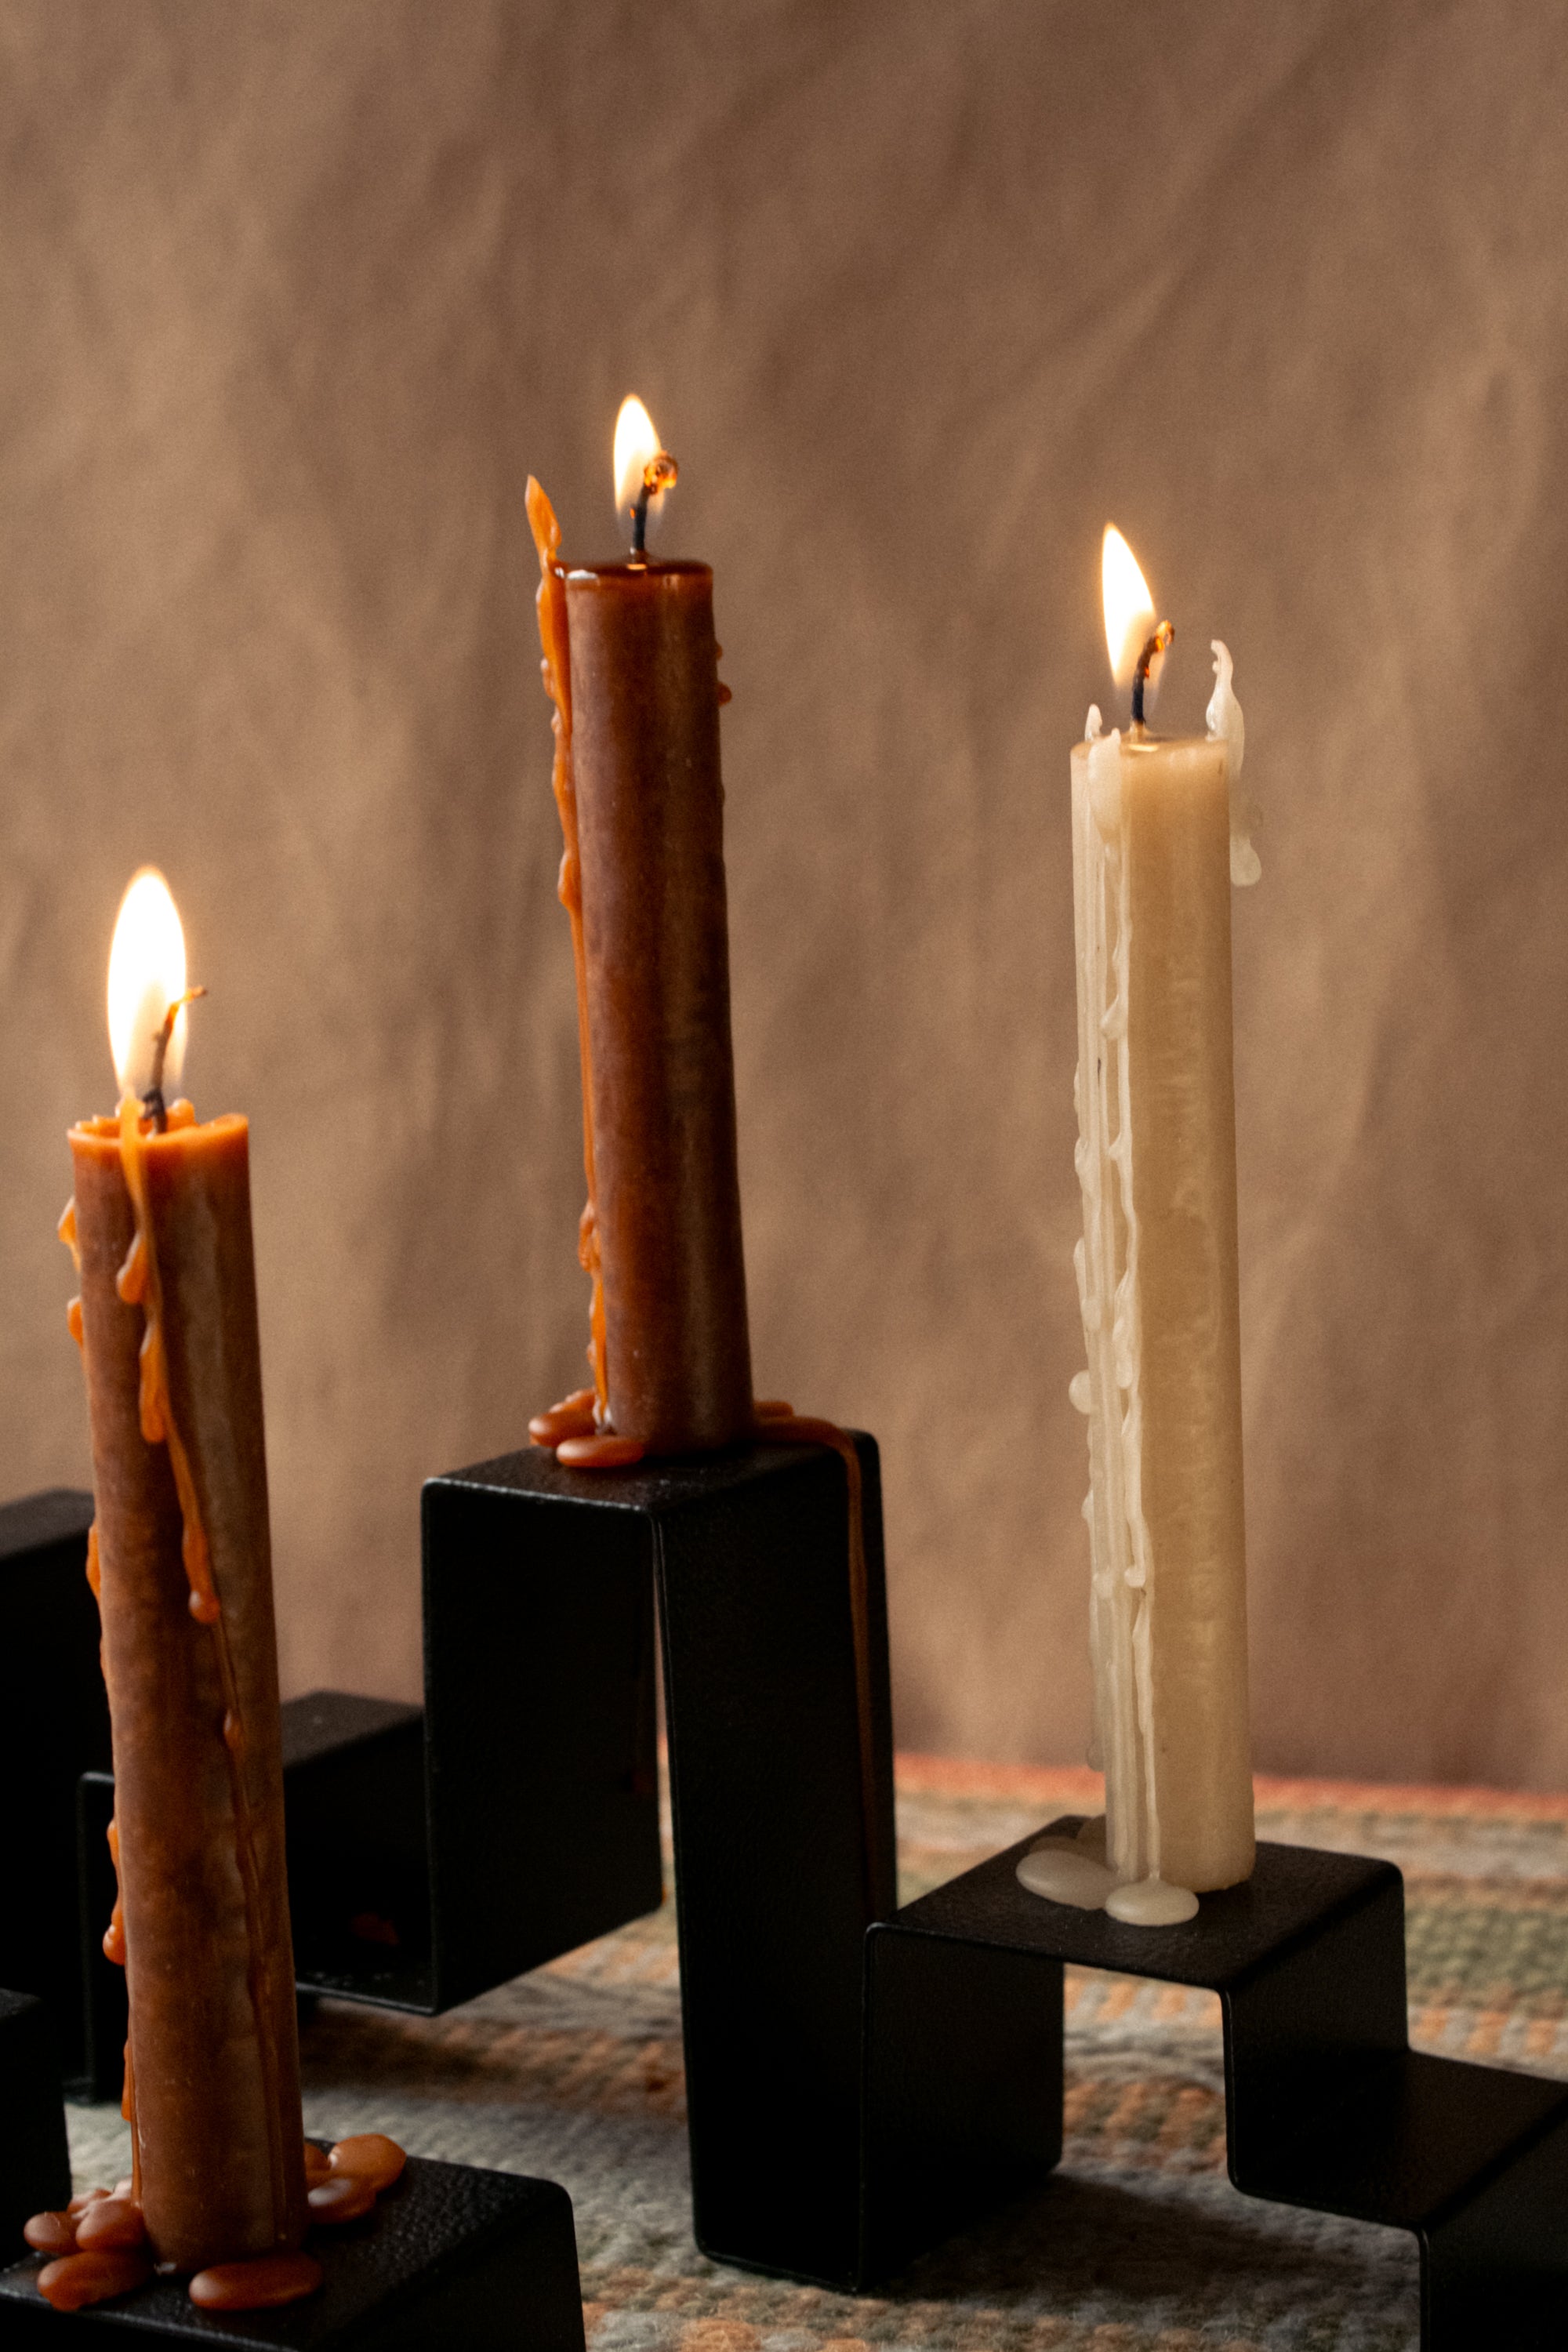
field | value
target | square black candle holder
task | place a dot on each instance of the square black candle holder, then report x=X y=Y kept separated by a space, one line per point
x=783 y=1858
x=452 y=2260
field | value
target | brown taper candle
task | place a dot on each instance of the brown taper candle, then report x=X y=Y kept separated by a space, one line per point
x=161 y=1225
x=644 y=758
x=631 y=660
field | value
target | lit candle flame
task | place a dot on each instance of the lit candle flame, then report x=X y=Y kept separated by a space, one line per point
x=1129 y=607
x=643 y=470
x=146 y=975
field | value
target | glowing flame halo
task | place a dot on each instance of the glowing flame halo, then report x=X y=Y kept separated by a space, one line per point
x=146 y=975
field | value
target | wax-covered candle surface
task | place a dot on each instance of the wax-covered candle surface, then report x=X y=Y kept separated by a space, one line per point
x=159 y=1225
x=1158 y=833
x=632 y=663
x=656 y=942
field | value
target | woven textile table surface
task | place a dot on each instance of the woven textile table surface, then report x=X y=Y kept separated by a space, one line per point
x=1137 y=2241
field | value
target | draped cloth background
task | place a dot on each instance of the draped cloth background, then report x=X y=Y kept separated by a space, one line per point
x=293 y=299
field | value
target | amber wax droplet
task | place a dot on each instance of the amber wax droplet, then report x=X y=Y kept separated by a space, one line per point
x=50 y=2234
x=369 y=2155
x=341 y=2199
x=261 y=2286
x=111 y=2222
x=79 y=2280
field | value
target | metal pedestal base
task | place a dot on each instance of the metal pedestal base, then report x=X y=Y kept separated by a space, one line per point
x=34 y=2162
x=1326 y=2106
x=863 y=2081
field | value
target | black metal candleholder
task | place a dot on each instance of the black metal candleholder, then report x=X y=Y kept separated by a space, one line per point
x=54 y=1726
x=861 y=2080
x=34 y=2161
x=782 y=1860
x=1327 y=2106
x=451 y=2260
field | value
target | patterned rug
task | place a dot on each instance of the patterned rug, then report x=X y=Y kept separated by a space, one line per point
x=1138 y=2243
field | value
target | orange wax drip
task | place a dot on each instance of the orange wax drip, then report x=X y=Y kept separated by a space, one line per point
x=99 y=2244
x=603 y=1451
x=367 y=2156
x=66 y=1231
x=139 y=1284
x=50 y=2234
x=571 y=1430
x=77 y=2280
x=557 y=669
x=114 y=1934
x=340 y=2199
x=262 y=2284
x=111 y=2222
x=780 y=1421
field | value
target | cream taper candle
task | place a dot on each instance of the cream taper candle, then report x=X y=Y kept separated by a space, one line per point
x=1159 y=834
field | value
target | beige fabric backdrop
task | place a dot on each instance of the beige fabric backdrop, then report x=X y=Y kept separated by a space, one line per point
x=293 y=298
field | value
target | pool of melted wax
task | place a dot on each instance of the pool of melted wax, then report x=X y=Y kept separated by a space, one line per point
x=260 y=2284
x=99 y=2242
x=1073 y=1870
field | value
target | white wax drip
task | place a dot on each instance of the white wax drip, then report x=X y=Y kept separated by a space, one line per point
x=1106 y=1262
x=1150 y=1903
x=1226 y=726
x=1073 y=1870
x=1062 y=1874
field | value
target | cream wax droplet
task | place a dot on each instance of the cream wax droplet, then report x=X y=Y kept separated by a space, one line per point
x=1226 y=725
x=1079 y=1392
x=1105 y=783
x=1150 y=1903
x=1063 y=1872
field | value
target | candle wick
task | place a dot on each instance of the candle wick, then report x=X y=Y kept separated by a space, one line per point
x=1149 y=660
x=153 y=1101
x=659 y=474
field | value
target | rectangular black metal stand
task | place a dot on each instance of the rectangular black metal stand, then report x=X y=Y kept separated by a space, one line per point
x=452 y=2260
x=54 y=1726
x=782 y=1860
x=863 y=2081
x=1326 y=2105
x=34 y=2161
